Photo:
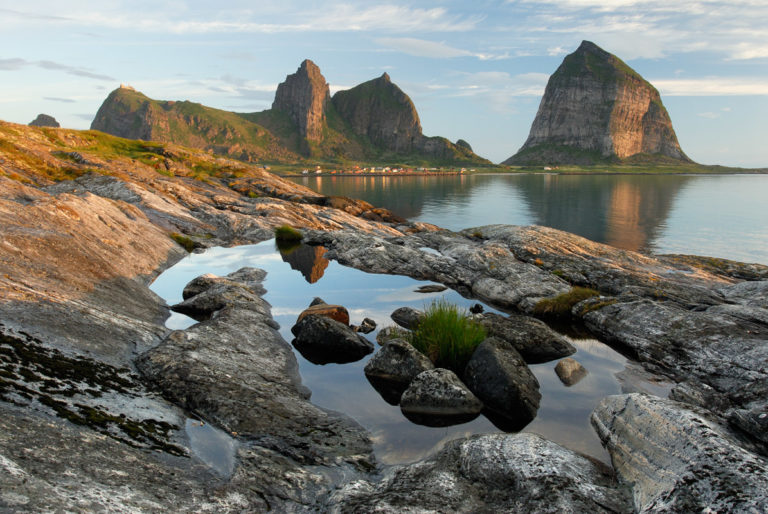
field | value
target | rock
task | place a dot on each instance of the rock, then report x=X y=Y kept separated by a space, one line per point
x=216 y=293
x=677 y=459
x=387 y=334
x=44 y=120
x=431 y=288
x=437 y=397
x=366 y=326
x=317 y=301
x=322 y=340
x=570 y=371
x=596 y=107
x=308 y=260
x=498 y=376
x=391 y=370
x=407 y=317
x=304 y=96
x=491 y=473
x=335 y=312
x=476 y=308
x=532 y=338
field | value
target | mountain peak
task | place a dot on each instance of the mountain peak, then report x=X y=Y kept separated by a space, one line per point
x=385 y=77
x=304 y=96
x=596 y=108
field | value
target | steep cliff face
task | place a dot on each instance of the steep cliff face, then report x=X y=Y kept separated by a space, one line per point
x=380 y=111
x=595 y=107
x=304 y=96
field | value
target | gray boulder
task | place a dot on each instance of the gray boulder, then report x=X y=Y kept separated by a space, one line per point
x=407 y=317
x=437 y=397
x=323 y=340
x=498 y=375
x=207 y=294
x=570 y=371
x=491 y=473
x=677 y=459
x=367 y=326
x=387 y=334
x=391 y=370
x=532 y=338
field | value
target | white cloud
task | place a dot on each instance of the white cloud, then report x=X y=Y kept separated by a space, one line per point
x=712 y=86
x=438 y=50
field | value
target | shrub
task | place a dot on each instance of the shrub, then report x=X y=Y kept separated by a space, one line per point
x=560 y=306
x=287 y=233
x=184 y=241
x=447 y=336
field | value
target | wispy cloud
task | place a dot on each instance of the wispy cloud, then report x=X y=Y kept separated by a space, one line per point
x=712 y=86
x=438 y=50
x=340 y=17
x=57 y=99
x=17 y=64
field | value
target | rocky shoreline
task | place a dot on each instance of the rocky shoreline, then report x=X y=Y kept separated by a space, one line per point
x=95 y=391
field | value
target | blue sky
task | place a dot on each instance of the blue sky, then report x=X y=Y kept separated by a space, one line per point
x=475 y=70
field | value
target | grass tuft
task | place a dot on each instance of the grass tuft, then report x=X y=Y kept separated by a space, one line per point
x=287 y=233
x=560 y=306
x=447 y=335
x=184 y=241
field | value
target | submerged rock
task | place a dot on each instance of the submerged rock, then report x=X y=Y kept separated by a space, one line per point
x=491 y=473
x=366 y=326
x=497 y=374
x=437 y=397
x=391 y=370
x=570 y=371
x=532 y=338
x=677 y=459
x=323 y=340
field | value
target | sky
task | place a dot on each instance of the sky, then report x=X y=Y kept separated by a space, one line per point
x=475 y=70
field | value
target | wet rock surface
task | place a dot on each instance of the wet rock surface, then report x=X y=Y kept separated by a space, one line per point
x=532 y=338
x=322 y=340
x=392 y=369
x=498 y=375
x=677 y=459
x=490 y=473
x=437 y=397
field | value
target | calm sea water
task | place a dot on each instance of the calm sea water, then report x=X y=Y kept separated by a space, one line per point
x=715 y=215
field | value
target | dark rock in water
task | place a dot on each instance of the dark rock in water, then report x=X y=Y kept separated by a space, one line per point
x=499 y=377
x=205 y=282
x=492 y=473
x=679 y=460
x=570 y=371
x=476 y=308
x=407 y=317
x=323 y=340
x=532 y=338
x=437 y=398
x=387 y=334
x=216 y=293
x=391 y=370
x=431 y=288
x=336 y=312
x=44 y=120
x=366 y=326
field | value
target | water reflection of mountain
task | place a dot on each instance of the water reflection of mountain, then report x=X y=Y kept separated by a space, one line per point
x=309 y=260
x=623 y=211
x=405 y=196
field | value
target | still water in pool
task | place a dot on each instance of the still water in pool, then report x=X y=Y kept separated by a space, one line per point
x=562 y=417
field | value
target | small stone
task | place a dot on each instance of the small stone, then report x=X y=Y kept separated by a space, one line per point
x=387 y=334
x=570 y=371
x=437 y=397
x=407 y=317
x=322 y=340
x=392 y=369
x=367 y=326
x=335 y=312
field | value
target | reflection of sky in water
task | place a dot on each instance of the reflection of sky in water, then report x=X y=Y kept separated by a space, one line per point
x=564 y=413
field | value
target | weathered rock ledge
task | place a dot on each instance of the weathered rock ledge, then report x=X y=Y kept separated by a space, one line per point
x=78 y=323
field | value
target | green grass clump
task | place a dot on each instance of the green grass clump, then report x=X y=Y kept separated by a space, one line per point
x=447 y=336
x=184 y=241
x=287 y=233
x=560 y=306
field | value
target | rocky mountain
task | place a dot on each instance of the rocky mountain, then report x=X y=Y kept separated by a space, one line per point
x=373 y=121
x=596 y=108
x=44 y=120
